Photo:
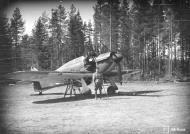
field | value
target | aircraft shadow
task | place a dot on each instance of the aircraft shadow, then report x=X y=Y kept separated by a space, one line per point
x=140 y=93
x=82 y=97
x=66 y=99
x=47 y=94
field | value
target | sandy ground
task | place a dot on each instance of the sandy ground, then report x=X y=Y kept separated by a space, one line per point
x=140 y=107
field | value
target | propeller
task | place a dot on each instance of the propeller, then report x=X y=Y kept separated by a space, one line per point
x=117 y=57
x=119 y=72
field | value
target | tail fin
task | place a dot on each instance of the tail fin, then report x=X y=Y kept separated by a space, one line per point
x=33 y=68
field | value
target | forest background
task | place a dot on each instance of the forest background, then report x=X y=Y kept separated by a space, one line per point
x=152 y=35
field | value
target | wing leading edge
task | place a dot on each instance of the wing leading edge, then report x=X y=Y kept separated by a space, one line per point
x=38 y=75
x=47 y=78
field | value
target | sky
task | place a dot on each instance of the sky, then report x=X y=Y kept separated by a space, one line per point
x=32 y=10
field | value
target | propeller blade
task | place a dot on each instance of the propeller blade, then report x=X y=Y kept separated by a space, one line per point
x=117 y=60
x=119 y=73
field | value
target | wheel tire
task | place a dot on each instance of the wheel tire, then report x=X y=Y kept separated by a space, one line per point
x=37 y=87
x=87 y=93
x=111 y=90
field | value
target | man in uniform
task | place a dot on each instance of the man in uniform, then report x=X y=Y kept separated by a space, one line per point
x=98 y=81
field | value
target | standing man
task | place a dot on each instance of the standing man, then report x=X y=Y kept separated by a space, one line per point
x=98 y=81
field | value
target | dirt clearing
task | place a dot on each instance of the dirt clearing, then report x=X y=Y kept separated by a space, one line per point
x=140 y=107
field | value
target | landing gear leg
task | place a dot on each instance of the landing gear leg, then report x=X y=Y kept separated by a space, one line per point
x=95 y=94
x=40 y=93
x=67 y=88
x=100 y=92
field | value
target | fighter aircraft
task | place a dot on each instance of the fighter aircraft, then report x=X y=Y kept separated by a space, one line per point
x=77 y=72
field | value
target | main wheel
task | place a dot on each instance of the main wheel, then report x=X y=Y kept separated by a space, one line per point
x=111 y=90
x=37 y=87
x=86 y=92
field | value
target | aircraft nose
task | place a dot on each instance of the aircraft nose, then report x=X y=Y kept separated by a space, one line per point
x=117 y=57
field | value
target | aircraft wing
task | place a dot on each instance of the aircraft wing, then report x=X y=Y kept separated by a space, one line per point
x=115 y=73
x=48 y=78
x=51 y=75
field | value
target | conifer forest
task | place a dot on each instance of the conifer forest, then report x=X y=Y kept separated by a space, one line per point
x=152 y=35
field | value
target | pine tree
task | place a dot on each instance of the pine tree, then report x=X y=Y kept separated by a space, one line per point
x=5 y=46
x=17 y=27
x=27 y=52
x=40 y=36
x=107 y=25
x=55 y=36
x=115 y=15
x=17 y=30
x=102 y=30
x=76 y=35
x=97 y=28
x=88 y=32
x=150 y=42
x=125 y=26
x=89 y=37
x=63 y=22
x=58 y=26
x=80 y=35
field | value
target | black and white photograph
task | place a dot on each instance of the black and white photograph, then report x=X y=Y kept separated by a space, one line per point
x=95 y=67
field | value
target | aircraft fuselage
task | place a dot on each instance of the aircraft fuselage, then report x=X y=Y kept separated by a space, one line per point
x=104 y=63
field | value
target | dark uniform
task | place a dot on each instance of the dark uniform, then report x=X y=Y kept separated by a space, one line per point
x=98 y=81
